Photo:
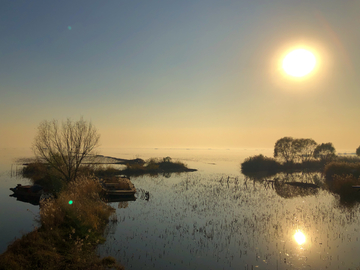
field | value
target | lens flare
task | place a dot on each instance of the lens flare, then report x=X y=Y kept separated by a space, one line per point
x=70 y=202
x=299 y=237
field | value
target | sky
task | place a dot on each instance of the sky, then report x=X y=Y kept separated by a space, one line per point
x=180 y=73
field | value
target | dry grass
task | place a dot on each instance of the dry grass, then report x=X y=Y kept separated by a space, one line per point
x=68 y=234
x=342 y=185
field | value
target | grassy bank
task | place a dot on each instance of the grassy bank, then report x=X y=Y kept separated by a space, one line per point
x=71 y=226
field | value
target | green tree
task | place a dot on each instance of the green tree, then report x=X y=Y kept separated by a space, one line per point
x=65 y=146
x=324 y=151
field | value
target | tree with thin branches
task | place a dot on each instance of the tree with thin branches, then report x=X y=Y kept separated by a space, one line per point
x=65 y=146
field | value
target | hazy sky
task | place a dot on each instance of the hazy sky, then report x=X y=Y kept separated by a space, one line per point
x=180 y=73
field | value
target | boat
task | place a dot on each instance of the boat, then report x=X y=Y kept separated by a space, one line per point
x=118 y=187
x=29 y=191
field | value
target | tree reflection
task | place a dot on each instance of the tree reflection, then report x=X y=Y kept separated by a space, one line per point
x=226 y=222
x=289 y=185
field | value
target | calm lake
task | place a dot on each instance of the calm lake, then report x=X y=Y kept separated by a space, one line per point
x=215 y=218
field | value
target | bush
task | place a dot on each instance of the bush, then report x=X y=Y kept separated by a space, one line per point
x=154 y=166
x=260 y=163
x=42 y=174
x=342 y=185
x=341 y=169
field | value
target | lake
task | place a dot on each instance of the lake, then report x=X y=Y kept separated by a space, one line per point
x=215 y=218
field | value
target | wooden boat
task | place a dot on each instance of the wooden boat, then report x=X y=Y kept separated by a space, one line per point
x=34 y=191
x=118 y=187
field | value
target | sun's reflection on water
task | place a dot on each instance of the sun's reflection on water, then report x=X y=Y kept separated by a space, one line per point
x=299 y=237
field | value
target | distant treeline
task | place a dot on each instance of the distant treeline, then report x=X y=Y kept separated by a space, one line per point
x=294 y=155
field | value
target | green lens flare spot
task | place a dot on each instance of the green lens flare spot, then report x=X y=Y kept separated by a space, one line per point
x=69 y=27
x=70 y=202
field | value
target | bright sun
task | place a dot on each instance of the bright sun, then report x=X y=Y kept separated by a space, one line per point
x=299 y=63
x=299 y=237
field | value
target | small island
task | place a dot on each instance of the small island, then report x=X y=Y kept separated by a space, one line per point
x=305 y=156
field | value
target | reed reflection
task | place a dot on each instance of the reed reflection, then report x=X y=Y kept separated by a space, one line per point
x=218 y=221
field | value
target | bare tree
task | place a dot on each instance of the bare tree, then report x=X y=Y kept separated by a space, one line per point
x=65 y=146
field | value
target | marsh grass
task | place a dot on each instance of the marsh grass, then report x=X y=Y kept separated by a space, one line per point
x=154 y=166
x=341 y=176
x=342 y=185
x=341 y=169
x=68 y=234
x=105 y=170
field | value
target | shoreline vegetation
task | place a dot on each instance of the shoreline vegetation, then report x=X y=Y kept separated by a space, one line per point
x=71 y=226
x=291 y=155
x=43 y=173
x=73 y=220
x=74 y=216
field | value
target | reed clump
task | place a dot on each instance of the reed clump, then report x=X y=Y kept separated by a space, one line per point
x=343 y=186
x=341 y=169
x=155 y=166
x=71 y=227
x=341 y=177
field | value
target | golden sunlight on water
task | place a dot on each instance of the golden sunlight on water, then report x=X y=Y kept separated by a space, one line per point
x=299 y=237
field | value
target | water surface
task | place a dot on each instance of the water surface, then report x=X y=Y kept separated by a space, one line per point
x=215 y=218
x=16 y=218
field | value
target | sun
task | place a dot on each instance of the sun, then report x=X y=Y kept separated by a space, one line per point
x=299 y=62
x=299 y=237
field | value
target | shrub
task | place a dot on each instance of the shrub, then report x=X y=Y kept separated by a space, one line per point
x=260 y=163
x=342 y=185
x=42 y=174
x=341 y=169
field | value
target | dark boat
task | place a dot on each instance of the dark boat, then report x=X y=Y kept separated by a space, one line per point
x=28 y=191
x=120 y=187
